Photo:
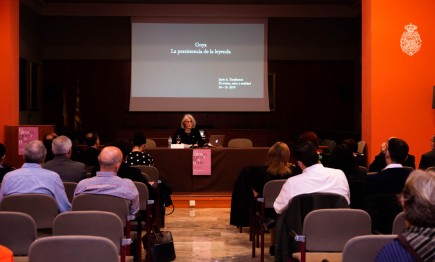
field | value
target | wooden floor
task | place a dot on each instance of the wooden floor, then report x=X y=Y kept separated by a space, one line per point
x=202 y=232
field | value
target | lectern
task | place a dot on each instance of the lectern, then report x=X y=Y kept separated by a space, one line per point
x=16 y=137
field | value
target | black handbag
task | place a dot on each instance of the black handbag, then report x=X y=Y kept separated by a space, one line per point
x=161 y=245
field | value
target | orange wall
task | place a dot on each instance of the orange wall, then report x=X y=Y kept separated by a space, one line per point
x=397 y=88
x=9 y=25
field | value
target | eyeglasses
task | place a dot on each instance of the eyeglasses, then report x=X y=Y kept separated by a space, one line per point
x=188 y=121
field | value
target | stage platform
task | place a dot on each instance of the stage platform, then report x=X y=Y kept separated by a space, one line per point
x=201 y=200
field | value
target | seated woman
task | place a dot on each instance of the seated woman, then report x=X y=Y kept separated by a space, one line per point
x=137 y=156
x=188 y=133
x=251 y=181
x=416 y=242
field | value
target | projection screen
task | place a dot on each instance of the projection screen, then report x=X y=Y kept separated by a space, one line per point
x=211 y=65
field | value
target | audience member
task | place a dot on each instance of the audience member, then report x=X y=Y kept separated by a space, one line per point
x=392 y=178
x=89 y=156
x=32 y=178
x=428 y=158
x=47 y=140
x=3 y=168
x=137 y=156
x=278 y=167
x=126 y=171
x=314 y=178
x=312 y=137
x=416 y=242
x=343 y=158
x=68 y=170
x=188 y=133
x=379 y=162
x=106 y=182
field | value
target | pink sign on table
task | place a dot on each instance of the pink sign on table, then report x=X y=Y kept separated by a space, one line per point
x=201 y=162
x=25 y=135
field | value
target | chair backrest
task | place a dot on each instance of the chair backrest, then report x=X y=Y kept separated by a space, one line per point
x=361 y=146
x=328 y=230
x=271 y=191
x=240 y=143
x=73 y=249
x=365 y=248
x=143 y=195
x=382 y=208
x=399 y=223
x=108 y=203
x=150 y=143
x=17 y=231
x=70 y=187
x=151 y=171
x=90 y=223
x=42 y=208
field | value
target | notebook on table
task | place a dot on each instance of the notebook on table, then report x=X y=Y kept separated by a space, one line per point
x=216 y=140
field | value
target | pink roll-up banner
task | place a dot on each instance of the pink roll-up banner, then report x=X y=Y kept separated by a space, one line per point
x=25 y=135
x=201 y=162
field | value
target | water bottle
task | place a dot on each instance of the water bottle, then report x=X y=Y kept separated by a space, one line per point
x=169 y=142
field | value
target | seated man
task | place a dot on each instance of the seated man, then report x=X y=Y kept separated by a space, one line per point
x=392 y=178
x=106 y=182
x=428 y=158
x=314 y=178
x=379 y=162
x=68 y=170
x=32 y=178
x=89 y=156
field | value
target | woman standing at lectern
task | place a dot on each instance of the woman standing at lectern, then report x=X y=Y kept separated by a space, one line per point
x=188 y=133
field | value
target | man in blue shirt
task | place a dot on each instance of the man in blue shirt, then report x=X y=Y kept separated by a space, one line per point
x=32 y=178
x=106 y=182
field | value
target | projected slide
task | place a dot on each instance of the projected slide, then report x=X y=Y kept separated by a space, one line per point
x=198 y=67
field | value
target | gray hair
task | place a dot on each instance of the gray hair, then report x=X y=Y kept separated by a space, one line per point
x=61 y=145
x=185 y=118
x=35 y=152
x=419 y=198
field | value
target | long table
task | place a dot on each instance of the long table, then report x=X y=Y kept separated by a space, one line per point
x=175 y=167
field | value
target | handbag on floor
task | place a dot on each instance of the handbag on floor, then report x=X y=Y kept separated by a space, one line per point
x=162 y=245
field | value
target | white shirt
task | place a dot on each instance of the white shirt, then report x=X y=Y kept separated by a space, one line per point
x=315 y=178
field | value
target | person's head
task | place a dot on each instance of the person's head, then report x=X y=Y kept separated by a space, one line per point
x=342 y=158
x=311 y=136
x=2 y=152
x=110 y=159
x=188 y=122
x=305 y=153
x=61 y=146
x=139 y=139
x=396 y=151
x=352 y=144
x=34 y=152
x=92 y=139
x=418 y=198
x=278 y=158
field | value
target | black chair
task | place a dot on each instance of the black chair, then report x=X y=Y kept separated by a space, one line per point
x=382 y=208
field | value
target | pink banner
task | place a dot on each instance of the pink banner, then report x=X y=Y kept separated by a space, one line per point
x=25 y=135
x=201 y=162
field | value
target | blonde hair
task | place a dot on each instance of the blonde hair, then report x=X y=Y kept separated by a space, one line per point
x=278 y=159
x=185 y=117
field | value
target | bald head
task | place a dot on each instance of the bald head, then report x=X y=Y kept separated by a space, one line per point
x=110 y=159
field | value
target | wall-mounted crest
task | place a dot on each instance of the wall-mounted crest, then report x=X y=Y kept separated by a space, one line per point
x=410 y=41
